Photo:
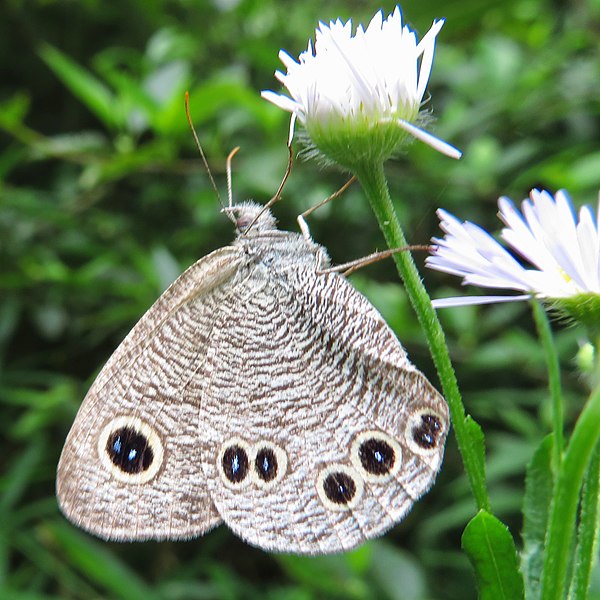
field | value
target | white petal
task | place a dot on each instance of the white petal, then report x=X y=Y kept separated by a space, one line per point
x=280 y=100
x=589 y=248
x=287 y=60
x=565 y=249
x=564 y=244
x=379 y=74
x=521 y=238
x=430 y=139
x=427 y=47
x=474 y=300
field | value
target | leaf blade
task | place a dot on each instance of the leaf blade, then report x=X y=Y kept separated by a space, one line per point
x=491 y=550
x=539 y=482
x=93 y=93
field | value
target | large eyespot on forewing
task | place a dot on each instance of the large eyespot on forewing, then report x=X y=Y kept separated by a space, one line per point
x=130 y=449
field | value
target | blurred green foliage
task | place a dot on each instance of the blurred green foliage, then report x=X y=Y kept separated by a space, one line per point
x=104 y=200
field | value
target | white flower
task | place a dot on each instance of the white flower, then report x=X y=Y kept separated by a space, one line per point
x=563 y=249
x=368 y=80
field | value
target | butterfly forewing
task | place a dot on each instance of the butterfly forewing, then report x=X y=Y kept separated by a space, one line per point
x=129 y=468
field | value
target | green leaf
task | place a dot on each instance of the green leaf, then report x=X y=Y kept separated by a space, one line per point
x=19 y=594
x=93 y=93
x=327 y=576
x=587 y=533
x=99 y=565
x=538 y=495
x=562 y=518
x=397 y=573
x=491 y=550
x=475 y=440
x=14 y=109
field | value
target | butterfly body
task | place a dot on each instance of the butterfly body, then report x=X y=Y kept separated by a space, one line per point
x=260 y=392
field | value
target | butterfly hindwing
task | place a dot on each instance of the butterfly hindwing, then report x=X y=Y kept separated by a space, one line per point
x=305 y=380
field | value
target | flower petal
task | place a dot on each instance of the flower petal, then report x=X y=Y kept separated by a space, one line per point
x=564 y=249
x=430 y=139
x=378 y=75
x=474 y=300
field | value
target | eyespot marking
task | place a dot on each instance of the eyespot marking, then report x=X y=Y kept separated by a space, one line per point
x=376 y=456
x=270 y=464
x=130 y=449
x=424 y=432
x=265 y=464
x=340 y=487
x=233 y=463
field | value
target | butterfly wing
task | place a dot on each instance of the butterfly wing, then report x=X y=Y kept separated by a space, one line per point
x=130 y=467
x=322 y=433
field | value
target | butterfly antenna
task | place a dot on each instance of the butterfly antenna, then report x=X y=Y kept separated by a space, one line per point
x=277 y=195
x=229 y=186
x=199 y=146
x=286 y=175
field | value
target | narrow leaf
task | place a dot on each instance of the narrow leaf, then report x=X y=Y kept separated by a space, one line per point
x=20 y=594
x=536 y=504
x=397 y=573
x=99 y=565
x=491 y=550
x=586 y=551
x=562 y=519
x=476 y=442
x=93 y=93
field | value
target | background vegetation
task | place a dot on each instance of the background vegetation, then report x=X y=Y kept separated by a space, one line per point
x=103 y=201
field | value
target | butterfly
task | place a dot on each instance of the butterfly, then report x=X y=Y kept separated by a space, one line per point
x=263 y=391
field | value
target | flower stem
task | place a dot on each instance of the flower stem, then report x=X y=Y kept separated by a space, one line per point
x=373 y=181
x=545 y=335
x=563 y=510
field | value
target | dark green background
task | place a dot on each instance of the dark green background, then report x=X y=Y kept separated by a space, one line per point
x=103 y=201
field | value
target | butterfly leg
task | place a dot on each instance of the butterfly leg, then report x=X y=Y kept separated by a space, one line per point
x=302 y=218
x=353 y=265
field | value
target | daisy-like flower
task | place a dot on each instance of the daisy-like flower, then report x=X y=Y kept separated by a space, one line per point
x=562 y=248
x=358 y=95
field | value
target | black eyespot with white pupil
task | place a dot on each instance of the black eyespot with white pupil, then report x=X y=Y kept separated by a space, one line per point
x=426 y=434
x=266 y=464
x=376 y=456
x=129 y=450
x=235 y=463
x=339 y=487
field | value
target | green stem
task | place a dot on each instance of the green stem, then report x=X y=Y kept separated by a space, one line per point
x=563 y=510
x=374 y=183
x=587 y=536
x=545 y=335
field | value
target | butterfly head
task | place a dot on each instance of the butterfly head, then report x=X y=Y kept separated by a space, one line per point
x=250 y=218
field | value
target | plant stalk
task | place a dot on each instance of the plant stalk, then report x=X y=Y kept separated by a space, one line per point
x=374 y=183
x=554 y=385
